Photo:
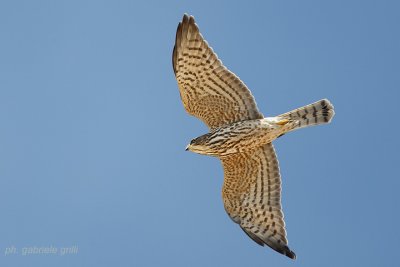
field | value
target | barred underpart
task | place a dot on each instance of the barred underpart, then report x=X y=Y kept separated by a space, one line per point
x=316 y=113
x=208 y=89
x=250 y=134
x=252 y=196
x=239 y=135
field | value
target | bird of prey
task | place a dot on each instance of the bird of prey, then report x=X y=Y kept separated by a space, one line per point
x=239 y=135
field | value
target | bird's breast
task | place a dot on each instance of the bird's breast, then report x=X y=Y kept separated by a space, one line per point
x=241 y=136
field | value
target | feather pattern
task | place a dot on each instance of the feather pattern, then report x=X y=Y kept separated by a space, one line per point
x=239 y=135
x=209 y=91
x=252 y=196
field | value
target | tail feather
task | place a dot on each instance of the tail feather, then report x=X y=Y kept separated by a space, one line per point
x=320 y=112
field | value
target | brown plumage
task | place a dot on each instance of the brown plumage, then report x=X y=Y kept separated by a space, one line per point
x=239 y=135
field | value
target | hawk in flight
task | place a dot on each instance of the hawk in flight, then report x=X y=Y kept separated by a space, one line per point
x=240 y=136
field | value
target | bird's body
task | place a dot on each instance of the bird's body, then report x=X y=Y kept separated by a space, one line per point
x=240 y=136
x=236 y=137
x=247 y=135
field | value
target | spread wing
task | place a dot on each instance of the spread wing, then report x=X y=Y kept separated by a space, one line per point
x=252 y=196
x=209 y=91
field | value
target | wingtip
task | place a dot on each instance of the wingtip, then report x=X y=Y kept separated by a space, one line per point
x=188 y=19
x=284 y=250
x=181 y=32
x=185 y=18
x=289 y=253
x=174 y=51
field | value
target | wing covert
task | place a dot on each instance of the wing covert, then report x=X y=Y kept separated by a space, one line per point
x=209 y=91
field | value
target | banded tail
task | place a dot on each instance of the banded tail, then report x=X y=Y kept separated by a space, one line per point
x=320 y=112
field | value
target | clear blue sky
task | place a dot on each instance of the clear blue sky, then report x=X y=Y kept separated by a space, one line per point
x=92 y=132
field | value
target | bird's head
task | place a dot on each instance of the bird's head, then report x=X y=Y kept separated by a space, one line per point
x=200 y=145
